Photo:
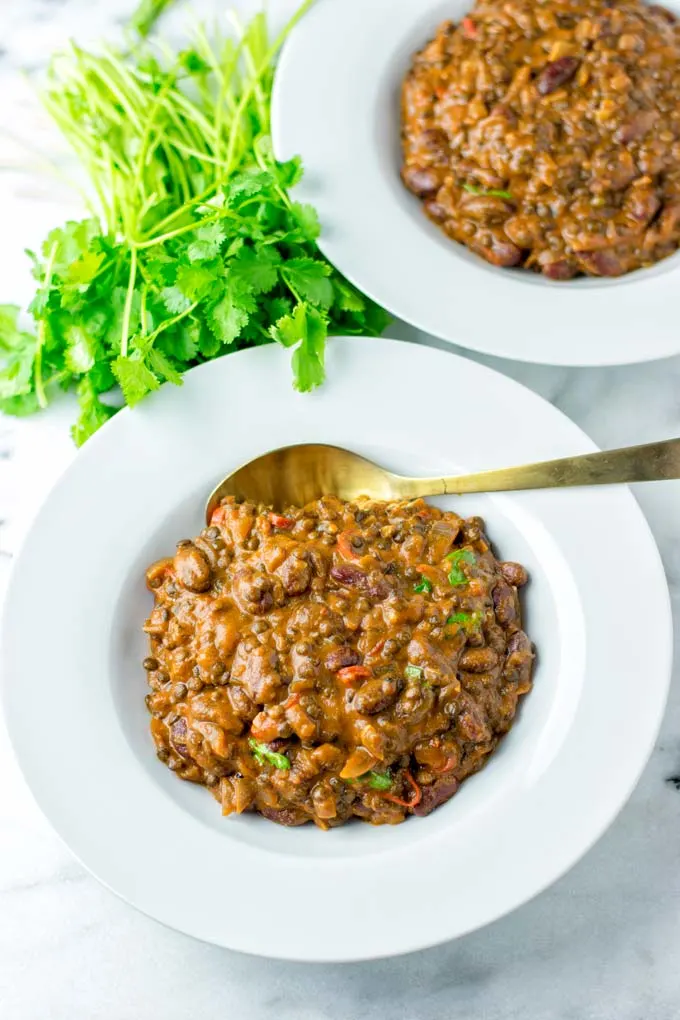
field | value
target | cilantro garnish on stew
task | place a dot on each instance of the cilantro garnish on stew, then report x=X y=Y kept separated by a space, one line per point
x=456 y=575
x=423 y=585
x=491 y=192
x=379 y=780
x=262 y=754
x=468 y=621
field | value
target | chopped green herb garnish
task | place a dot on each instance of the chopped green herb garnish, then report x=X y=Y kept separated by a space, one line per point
x=413 y=672
x=262 y=754
x=376 y=780
x=492 y=192
x=456 y=575
x=468 y=621
x=379 y=780
x=423 y=586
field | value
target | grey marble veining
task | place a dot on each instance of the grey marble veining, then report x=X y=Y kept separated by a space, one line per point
x=602 y=944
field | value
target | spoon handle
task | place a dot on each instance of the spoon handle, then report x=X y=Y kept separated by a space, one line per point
x=649 y=463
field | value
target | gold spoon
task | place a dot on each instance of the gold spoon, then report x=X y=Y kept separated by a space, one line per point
x=295 y=475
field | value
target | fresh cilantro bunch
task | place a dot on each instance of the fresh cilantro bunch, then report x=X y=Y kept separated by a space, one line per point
x=194 y=247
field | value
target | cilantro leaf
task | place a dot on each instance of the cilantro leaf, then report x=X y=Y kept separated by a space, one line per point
x=72 y=243
x=289 y=173
x=306 y=219
x=17 y=354
x=11 y=335
x=207 y=243
x=162 y=366
x=195 y=281
x=308 y=278
x=17 y=372
x=278 y=307
x=80 y=350
x=83 y=270
x=182 y=341
x=93 y=413
x=291 y=329
x=246 y=185
x=175 y=300
x=256 y=268
x=135 y=378
x=347 y=298
x=227 y=318
x=21 y=405
x=101 y=376
x=307 y=328
x=308 y=358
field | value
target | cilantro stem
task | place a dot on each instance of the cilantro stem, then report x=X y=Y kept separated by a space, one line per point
x=127 y=310
x=142 y=307
x=147 y=14
x=260 y=69
x=42 y=327
x=160 y=238
x=290 y=286
x=98 y=69
x=167 y=323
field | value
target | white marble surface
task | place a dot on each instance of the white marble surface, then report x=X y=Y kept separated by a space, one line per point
x=600 y=945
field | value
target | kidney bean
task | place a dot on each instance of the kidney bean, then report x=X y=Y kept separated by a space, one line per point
x=486 y=208
x=478 y=660
x=341 y=657
x=178 y=736
x=434 y=141
x=642 y=205
x=560 y=270
x=350 y=576
x=505 y=604
x=498 y=252
x=435 y=794
x=192 y=568
x=601 y=263
x=422 y=181
x=514 y=573
x=436 y=211
x=519 y=661
x=555 y=74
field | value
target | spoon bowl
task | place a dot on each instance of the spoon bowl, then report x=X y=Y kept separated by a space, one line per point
x=296 y=475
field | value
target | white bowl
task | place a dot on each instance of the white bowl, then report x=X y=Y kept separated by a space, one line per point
x=74 y=686
x=336 y=103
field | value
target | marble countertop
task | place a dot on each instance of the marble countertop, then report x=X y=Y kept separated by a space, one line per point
x=599 y=945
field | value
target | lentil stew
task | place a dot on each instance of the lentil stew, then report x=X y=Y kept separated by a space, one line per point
x=339 y=660
x=546 y=134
